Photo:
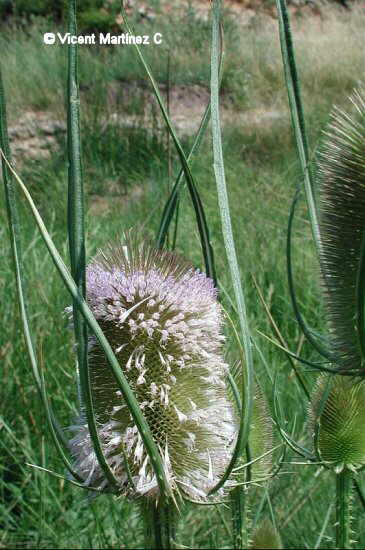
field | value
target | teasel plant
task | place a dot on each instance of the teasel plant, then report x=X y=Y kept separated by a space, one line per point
x=336 y=205
x=148 y=334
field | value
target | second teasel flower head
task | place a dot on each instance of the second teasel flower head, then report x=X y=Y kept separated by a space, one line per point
x=337 y=417
x=170 y=349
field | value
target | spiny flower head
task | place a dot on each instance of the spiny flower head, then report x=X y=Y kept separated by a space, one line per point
x=266 y=536
x=170 y=349
x=261 y=440
x=341 y=178
x=337 y=421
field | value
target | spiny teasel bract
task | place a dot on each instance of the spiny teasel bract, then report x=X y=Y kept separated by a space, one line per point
x=341 y=177
x=337 y=420
x=170 y=349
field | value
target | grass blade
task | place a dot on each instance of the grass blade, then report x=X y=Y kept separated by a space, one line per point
x=297 y=115
x=93 y=325
x=324 y=527
x=247 y=379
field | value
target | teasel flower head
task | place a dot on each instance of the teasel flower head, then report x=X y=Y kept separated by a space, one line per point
x=266 y=536
x=170 y=350
x=337 y=419
x=261 y=439
x=341 y=177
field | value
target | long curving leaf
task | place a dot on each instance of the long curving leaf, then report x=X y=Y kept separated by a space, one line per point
x=76 y=237
x=318 y=366
x=247 y=382
x=14 y=231
x=308 y=333
x=172 y=202
x=297 y=115
x=341 y=175
x=197 y=204
x=93 y=325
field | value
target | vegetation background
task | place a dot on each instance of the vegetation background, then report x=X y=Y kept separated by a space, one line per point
x=129 y=166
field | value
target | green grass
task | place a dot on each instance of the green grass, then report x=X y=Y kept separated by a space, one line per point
x=126 y=177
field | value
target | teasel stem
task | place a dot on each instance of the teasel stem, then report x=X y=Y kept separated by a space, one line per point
x=159 y=523
x=238 y=511
x=76 y=236
x=343 y=508
x=76 y=231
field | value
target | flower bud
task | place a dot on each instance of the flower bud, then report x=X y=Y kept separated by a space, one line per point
x=338 y=418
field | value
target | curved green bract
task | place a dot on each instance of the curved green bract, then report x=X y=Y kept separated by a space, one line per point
x=14 y=230
x=93 y=325
x=297 y=115
x=173 y=200
x=301 y=322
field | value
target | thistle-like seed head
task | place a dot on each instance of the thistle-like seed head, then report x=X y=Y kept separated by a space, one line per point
x=170 y=350
x=337 y=421
x=258 y=453
x=266 y=536
x=341 y=178
x=261 y=440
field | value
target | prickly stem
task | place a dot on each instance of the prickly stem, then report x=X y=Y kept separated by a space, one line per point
x=159 y=523
x=343 y=508
x=238 y=511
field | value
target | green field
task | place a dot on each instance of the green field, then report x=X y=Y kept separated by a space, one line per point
x=129 y=169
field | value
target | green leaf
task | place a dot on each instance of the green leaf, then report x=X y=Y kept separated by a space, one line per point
x=172 y=202
x=308 y=333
